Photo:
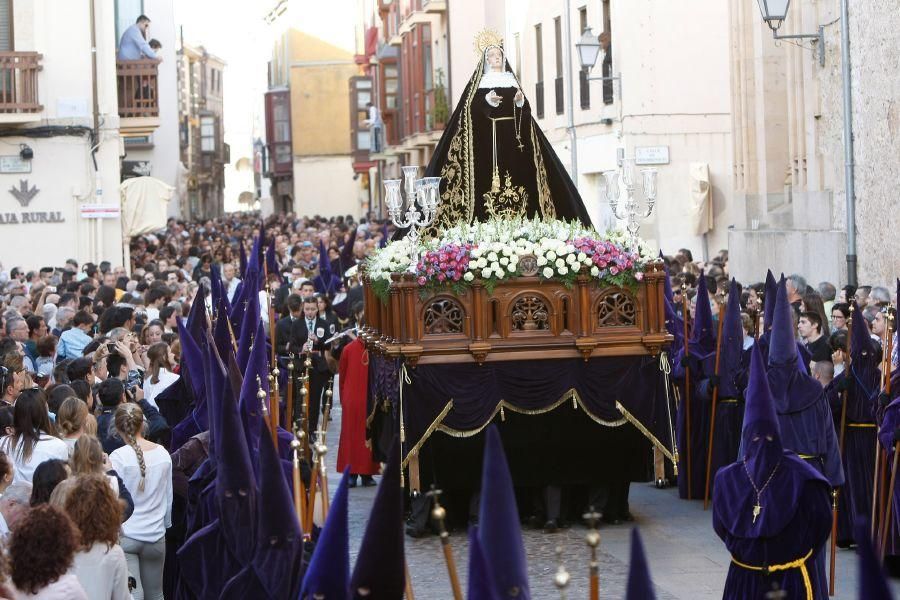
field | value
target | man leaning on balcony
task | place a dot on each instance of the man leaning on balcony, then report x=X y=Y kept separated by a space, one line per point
x=133 y=45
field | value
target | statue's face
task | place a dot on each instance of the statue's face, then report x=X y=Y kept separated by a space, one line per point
x=494 y=58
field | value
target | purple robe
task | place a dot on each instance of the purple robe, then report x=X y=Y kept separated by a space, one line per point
x=795 y=522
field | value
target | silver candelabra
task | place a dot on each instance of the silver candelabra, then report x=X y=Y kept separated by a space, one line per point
x=623 y=178
x=421 y=194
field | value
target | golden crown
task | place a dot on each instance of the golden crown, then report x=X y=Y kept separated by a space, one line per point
x=487 y=38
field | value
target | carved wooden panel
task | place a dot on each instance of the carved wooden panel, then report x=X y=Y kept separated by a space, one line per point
x=444 y=315
x=530 y=312
x=615 y=309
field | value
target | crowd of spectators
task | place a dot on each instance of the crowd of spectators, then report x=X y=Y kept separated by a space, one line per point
x=820 y=313
x=85 y=351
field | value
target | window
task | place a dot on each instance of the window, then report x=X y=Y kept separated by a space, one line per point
x=584 y=84
x=391 y=86
x=606 y=41
x=6 y=25
x=558 y=81
x=539 y=86
x=127 y=12
x=207 y=134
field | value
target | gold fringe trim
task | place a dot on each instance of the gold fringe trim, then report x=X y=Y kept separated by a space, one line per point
x=431 y=428
x=646 y=432
x=437 y=424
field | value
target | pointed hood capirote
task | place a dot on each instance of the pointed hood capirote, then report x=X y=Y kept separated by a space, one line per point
x=379 y=570
x=328 y=574
x=782 y=341
x=732 y=345
x=499 y=530
x=764 y=459
x=769 y=294
x=640 y=586
x=873 y=583
x=481 y=582
x=703 y=331
x=256 y=378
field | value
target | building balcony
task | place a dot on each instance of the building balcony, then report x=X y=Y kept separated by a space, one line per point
x=434 y=6
x=19 y=100
x=137 y=83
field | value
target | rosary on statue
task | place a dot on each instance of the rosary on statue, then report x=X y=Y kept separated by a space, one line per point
x=757 y=508
x=517 y=120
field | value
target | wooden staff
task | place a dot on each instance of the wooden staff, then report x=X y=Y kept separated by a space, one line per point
x=843 y=431
x=289 y=396
x=875 y=489
x=886 y=517
x=407 y=582
x=593 y=540
x=886 y=375
x=438 y=513
x=712 y=410
x=304 y=409
x=299 y=490
x=881 y=461
x=261 y=396
x=687 y=387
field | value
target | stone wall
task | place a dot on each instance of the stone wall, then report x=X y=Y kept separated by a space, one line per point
x=875 y=76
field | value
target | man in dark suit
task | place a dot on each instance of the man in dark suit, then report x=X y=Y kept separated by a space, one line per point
x=284 y=326
x=308 y=336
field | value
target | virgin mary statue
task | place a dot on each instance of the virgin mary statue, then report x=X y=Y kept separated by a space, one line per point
x=494 y=160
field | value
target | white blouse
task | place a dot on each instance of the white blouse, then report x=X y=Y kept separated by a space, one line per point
x=153 y=506
x=152 y=390
x=47 y=447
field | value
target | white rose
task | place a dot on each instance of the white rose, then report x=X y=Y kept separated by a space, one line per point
x=481 y=263
x=486 y=273
x=551 y=255
x=561 y=249
x=547 y=272
x=576 y=267
x=469 y=276
x=562 y=270
x=492 y=257
x=504 y=261
x=570 y=258
x=595 y=271
x=541 y=261
x=499 y=273
x=570 y=248
x=511 y=268
x=582 y=256
x=560 y=263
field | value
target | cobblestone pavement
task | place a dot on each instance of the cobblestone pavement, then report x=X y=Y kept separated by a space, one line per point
x=687 y=560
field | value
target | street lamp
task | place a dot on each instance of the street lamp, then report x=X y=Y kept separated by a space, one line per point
x=589 y=48
x=774 y=12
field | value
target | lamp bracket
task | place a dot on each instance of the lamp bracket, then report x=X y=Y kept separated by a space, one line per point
x=816 y=37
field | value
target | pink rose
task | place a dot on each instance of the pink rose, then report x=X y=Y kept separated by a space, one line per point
x=422 y=280
x=639 y=276
x=613 y=270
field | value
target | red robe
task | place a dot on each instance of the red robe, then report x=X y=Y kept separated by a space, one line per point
x=354 y=385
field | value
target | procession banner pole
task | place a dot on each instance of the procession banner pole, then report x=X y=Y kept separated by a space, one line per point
x=886 y=517
x=886 y=370
x=715 y=398
x=592 y=539
x=299 y=491
x=837 y=492
x=687 y=388
x=439 y=513
x=289 y=396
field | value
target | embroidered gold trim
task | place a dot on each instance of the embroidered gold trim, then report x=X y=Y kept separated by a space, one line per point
x=509 y=202
x=545 y=201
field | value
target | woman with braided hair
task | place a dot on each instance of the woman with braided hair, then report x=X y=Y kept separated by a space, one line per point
x=146 y=469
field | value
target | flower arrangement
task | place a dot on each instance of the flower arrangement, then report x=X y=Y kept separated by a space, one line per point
x=501 y=249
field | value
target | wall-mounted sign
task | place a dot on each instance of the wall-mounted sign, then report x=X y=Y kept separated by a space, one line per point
x=23 y=193
x=14 y=164
x=100 y=211
x=651 y=155
x=25 y=218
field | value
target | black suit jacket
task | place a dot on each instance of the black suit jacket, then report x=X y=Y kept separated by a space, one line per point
x=283 y=336
x=300 y=334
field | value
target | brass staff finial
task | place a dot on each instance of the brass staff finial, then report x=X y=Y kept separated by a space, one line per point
x=592 y=539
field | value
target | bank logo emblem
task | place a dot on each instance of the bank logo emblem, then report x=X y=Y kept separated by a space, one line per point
x=23 y=194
